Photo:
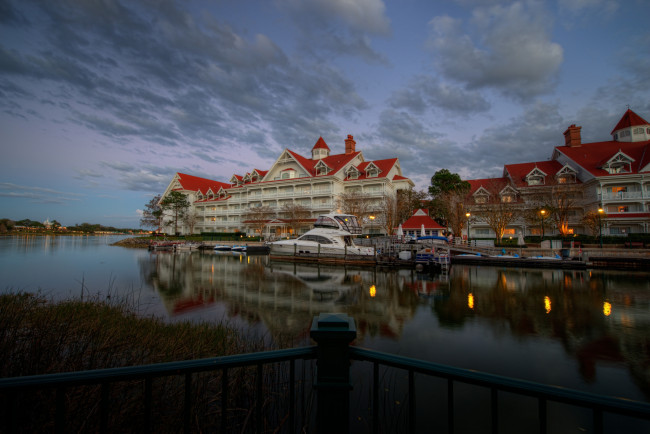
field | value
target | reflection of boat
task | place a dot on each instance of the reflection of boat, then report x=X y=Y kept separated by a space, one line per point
x=331 y=236
x=328 y=283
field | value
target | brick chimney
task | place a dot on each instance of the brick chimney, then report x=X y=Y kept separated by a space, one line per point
x=349 y=144
x=572 y=136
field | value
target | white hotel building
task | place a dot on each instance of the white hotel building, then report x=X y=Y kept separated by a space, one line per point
x=314 y=183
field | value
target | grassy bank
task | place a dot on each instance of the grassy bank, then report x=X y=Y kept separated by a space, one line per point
x=39 y=337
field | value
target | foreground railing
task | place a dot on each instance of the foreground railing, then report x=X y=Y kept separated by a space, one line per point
x=333 y=334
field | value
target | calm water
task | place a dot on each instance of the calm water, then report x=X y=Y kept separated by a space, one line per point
x=586 y=330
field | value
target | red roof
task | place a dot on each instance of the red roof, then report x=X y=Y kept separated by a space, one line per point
x=320 y=144
x=335 y=162
x=518 y=172
x=194 y=183
x=591 y=156
x=629 y=119
x=384 y=167
x=492 y=185
x=416 y=222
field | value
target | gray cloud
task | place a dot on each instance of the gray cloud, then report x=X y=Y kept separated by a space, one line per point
x=37 y=194
x=165 y=77
x=529 y=137
x=507 y=48
x=424 y=92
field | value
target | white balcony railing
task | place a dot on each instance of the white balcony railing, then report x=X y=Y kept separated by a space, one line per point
x=624 y=195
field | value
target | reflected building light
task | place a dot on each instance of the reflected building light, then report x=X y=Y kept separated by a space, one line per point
x=547 y=304
x=373 y=290
x=607 y=308
x=248 y=259
x=212 y=268
x=470 y=300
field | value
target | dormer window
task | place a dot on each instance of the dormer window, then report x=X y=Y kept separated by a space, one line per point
x=620 y=163
x=567 y=175
x=536 y=177
x=321 y=168
x=352 y=173
x=481 y=198
x=508 y=198
x=288 y=174
x=372 y=171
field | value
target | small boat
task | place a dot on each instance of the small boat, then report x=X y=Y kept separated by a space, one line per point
x=241 y=249
x=332 y=236
x=222 y=248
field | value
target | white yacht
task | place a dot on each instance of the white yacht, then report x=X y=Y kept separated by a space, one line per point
x=331 y=236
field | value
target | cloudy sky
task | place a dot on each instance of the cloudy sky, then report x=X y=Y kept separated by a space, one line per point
x=102 y=101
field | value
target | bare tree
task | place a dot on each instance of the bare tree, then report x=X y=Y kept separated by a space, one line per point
x=191 y=219
x=387 y=214
x=296 y=214
x=498 y=211
x=258 y=217
x=152 y=214
x=593 y=220
x=563 y=200
x=356 y=203
x=408 y=201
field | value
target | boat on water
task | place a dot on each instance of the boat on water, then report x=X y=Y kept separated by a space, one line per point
x=332 y=236
x=239 y=249
x=222 y=248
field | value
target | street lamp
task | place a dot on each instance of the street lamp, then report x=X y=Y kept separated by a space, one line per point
x=467 y=215
x=542 y=213
x=600 y=226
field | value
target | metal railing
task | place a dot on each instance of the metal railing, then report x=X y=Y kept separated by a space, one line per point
x=333 y=334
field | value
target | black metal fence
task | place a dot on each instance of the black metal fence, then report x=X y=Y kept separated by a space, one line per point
x=285 y=406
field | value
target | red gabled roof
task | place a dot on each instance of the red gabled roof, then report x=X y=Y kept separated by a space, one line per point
x=629 y=119
x=320 y=144
x=335 y=162
x=518 y=172
x=591 y=156
x=384 y=167
x=399 y=178
x=194 y=183
x=492 y=185
x=416 y=222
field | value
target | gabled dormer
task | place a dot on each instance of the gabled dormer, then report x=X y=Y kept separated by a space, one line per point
x=536 y=177
x=372 y=171
x=320 y=150
x=508 y=194
x=631 y=128
x=209 y=194
x=481 y=195
x=236 y=180
x=619 y=163
x=288 y=173
x=247 y=178
x=352 y=173
x=566 y=175
x=222 y=193
x=322 y=168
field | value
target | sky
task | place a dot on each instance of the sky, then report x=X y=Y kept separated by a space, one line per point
x=103 y=101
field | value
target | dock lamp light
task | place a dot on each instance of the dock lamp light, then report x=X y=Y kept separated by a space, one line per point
x=600 y=226
x=542 y=213
x=468 y=216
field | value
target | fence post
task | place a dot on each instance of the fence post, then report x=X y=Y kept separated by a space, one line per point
x=333 y=333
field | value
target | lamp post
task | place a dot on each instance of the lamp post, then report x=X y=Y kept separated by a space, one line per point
x=467 y=215
x=600 y=226
x=542 y=213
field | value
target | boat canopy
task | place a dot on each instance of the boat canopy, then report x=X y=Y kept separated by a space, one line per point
x=345 y=222
x=432 y=237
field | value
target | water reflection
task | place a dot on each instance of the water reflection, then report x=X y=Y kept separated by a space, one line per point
x=595 y=318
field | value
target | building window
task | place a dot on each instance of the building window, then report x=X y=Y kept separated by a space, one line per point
x=623 y=209
x=480 y=199
x=507 y=198
x=619 y=230
x=638 y=131
x=535 y=180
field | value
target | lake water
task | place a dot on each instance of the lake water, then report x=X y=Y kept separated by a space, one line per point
x=585 y=330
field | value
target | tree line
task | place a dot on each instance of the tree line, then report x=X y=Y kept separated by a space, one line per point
x=9 y=225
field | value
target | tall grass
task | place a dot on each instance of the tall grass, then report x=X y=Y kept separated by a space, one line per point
x=41 y=337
